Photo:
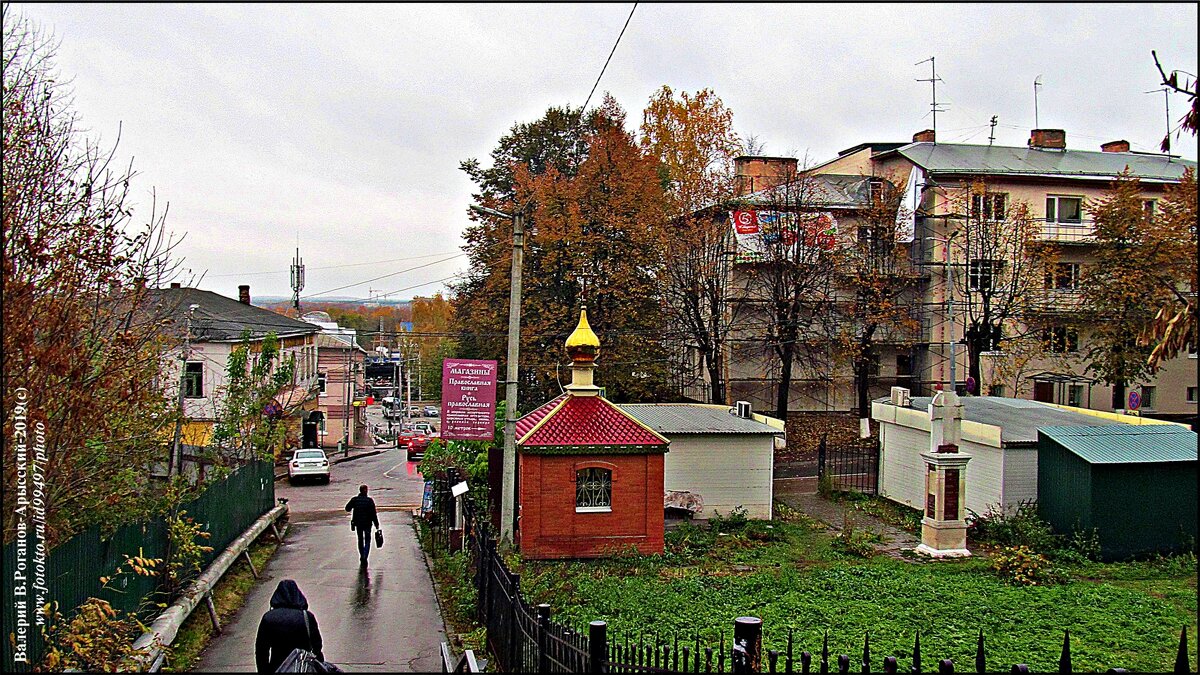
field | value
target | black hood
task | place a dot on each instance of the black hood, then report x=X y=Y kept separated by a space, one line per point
x=287 y=594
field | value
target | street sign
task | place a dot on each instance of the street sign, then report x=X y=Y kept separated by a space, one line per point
x=1135 y=400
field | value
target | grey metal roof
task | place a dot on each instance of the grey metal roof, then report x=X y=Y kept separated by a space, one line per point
x=1019 y=419
x=690 y=418
x=1127 y=444
x=222 y=319
x=823 y=190
x=1001 y=160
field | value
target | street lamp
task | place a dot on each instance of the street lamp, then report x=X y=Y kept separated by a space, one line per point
x=949 y=274
x=509 y=474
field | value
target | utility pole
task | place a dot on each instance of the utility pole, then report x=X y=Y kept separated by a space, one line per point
x=992 y=133
x=508 y=514
x=1037 y=82
x=175 y=461
x=346 y=407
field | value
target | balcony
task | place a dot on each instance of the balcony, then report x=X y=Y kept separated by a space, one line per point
x=1057 y=301
x=1067 y=232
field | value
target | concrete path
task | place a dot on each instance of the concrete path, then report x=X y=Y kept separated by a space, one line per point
x=382 y=619
x=800 y=494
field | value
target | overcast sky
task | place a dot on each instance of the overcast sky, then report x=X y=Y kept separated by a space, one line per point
x=344 y=125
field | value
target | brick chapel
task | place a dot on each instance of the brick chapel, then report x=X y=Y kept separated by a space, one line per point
x=591 y=476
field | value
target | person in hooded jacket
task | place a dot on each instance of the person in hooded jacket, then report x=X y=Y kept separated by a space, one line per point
x=286 y=626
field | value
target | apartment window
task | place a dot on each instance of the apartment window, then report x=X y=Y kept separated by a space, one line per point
x=1191 y=394
x=1061 y=340
x=903 y=365
x=1063 y=277
x=1148 y=207
x=982 y=272
x=193 y=380
x=990 y=206
x=593 y=489
x=1064 y=210
x=1075 y=395
x=322 y=380
x=996 y=390
x=1148 y=396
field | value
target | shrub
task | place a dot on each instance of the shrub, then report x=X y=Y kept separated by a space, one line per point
x=688 y=539
x=1024 y=566
x=854 y=541
x=735 y=521
x=1019 y=528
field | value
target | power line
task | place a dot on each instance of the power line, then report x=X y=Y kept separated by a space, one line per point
x=333 y=267
x=610 y=55
x=385 y=276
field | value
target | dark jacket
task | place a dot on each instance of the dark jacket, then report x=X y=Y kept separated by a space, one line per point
x=362 y=510
x=282 y=628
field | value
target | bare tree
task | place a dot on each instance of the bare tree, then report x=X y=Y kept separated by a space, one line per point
x=783 y=283
x=877 y=275
x=81 y=342
x=996 y=243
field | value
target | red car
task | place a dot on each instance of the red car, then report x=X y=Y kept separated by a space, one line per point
x=416 y=444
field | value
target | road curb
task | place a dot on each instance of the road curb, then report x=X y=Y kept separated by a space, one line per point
x=281 y=476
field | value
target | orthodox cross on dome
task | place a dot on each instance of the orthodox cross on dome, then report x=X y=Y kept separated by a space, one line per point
x=583 y=346
x=584 y=278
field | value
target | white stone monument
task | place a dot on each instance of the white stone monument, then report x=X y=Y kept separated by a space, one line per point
x=944 y=527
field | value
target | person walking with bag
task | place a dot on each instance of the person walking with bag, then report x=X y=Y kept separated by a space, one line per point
x=287 y=626
x=362 y=516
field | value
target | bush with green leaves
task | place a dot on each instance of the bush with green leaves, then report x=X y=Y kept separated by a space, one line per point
x=1026 y=567
x=734 y=522
x=1022 y=527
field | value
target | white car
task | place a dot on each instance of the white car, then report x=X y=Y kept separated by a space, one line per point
x=308 y=463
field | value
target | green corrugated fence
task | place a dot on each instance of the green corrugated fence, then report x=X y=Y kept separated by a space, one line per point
x=74 y=568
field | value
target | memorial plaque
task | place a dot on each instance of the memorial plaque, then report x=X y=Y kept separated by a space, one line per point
x=930 y=505
x=950 y=506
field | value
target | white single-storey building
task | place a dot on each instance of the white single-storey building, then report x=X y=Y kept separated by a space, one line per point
x=1000 y=434
x=728 y=460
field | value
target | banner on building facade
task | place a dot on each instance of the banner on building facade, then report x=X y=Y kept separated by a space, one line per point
x=468 y=399
x=906 y=215
x=762 y=235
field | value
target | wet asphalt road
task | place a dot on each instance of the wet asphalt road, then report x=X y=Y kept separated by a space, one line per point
x=382 y=619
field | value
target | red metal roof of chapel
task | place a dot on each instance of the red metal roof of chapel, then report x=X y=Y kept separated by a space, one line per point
x=589 y=421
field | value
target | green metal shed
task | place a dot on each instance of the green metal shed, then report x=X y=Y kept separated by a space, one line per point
x=1136 y=485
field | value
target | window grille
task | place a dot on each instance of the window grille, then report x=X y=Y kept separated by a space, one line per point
x=593 y=489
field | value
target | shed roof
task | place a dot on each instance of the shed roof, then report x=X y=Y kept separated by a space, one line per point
x=1125 y=443
x=1019 y=419
x=956 y=158
x=693 y=418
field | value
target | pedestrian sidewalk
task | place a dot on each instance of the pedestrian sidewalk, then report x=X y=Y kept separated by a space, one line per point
x=800 y=494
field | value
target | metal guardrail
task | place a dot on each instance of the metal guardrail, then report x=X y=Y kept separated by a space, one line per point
x=465 y=664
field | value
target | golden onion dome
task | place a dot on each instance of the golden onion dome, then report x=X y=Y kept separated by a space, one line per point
x=583 y=346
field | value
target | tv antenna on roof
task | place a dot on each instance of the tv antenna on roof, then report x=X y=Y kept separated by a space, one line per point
x=992 y=133
x=1167 y=99
x=933 y=80
x=1037 y=82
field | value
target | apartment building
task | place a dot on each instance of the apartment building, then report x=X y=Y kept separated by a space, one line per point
x=1054 y=182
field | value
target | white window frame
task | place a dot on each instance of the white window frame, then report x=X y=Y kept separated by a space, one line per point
x=1054 y=276
x=1057 y=199
x=1064 y=336
x=989 y=206
x=597 y=508
x=323 y=383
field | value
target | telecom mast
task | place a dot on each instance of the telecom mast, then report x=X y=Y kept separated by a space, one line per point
x=297 y=280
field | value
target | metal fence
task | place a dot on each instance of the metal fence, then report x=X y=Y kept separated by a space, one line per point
x=851 y=466
x=73 y=569
x=525 y=638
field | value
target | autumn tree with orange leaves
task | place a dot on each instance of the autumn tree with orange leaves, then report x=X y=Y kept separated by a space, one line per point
x=693 y=140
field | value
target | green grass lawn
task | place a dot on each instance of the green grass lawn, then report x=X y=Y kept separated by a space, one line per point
x=791 y=576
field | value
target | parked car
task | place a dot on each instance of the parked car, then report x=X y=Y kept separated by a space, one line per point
x=414 y=411
x=308 y=463
x=431 y=411
x=423 y=427
x=416 y=445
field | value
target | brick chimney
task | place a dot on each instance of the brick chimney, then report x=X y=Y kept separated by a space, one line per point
x=244 y=294
x=1115 y=146
x=1052 y=139
x=926 y=136
x=752 y=173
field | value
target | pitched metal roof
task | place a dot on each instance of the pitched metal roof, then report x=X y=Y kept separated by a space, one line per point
x=1019 y=419
x=955 y=158
x=222 y=319
x=1126 y=443
x=693 y=418
x=588 y=423
x=822 y=190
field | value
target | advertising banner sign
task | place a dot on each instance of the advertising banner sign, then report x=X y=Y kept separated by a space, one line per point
x=468 y=399
x=760 y=233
